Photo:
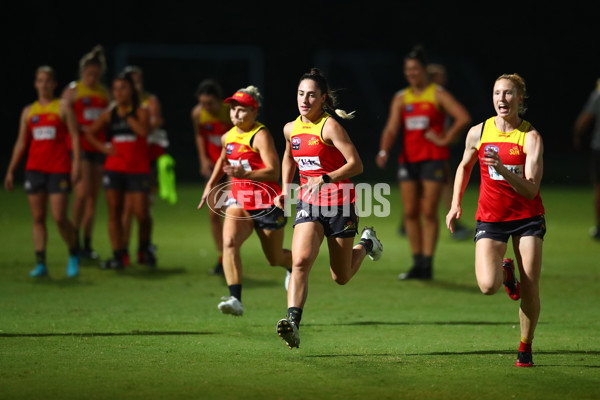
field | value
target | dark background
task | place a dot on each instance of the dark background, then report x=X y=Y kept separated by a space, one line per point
x=359 y=45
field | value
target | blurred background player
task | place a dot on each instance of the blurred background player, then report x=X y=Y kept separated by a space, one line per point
x=590 y=118
x=127 y=167
x=510 y=153
x=321 y=149
x=157 y=145
x=89 y=98
x=250 y=158
x=420 y=110
x=210 y=118
x=45 y=128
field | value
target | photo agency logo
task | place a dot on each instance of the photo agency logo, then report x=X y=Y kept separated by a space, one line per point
x=370 y=200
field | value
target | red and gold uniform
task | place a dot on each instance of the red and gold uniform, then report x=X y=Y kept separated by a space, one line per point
x=249 y=194
x=314 y=158
x=49 y=139
x=131 y=151
x=212 y=128
x=90 y=103
x=498 y=201
x=420 y=114
x=157 y=140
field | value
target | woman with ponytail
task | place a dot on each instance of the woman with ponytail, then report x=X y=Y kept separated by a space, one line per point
x=321 y=149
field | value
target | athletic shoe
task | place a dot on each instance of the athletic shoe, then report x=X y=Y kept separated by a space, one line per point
x=401 y=230
x=217 y=270
x=39 y=271
x=89 y=254
x=231 y=305
x=595 y=232
x=148 y=256
x=73 y=266
x=126 y=260
x=524 y=359
x=512 y=286
x=377 y=248
x=417 y=272
x=288 y=331
x=288 y=275
x=112 y=263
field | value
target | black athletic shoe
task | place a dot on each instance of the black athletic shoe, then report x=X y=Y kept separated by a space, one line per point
x=417 y=273
x=89 y=254
x=112 y=263
x=524 y=359
x=148 y=256
x=217 y=270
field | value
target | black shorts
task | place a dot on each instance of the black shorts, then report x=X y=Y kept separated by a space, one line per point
x=501 y=231
x=94 y=157
x=126 y=182
x=338 y=221
x=37 y=182
x=269 y=219
x=430 y=170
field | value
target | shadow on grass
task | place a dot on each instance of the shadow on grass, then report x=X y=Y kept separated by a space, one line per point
x=405 y=323
x=105 y=334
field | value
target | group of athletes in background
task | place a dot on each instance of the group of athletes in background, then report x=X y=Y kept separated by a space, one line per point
x=81 y=140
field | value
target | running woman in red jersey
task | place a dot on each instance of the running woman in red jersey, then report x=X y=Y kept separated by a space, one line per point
x=157 y=144
x=89 y=98
x=46 y=126
x=321 y=149
x=210 y=118
x=250 y=158
x=127 y=167
x=421 y=111
x=509 y=150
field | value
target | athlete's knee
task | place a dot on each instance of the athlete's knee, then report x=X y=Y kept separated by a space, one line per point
x=341 y=280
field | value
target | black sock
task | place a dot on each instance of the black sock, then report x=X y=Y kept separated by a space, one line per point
x=40 y=257
x=427 y=262
x=118 y=254
x=367 y=244
x=87 y=242
x=77 y=238
x=417 y=260
x=294 y=314
x=144 y=246
x=236 y=291
x=74 y=251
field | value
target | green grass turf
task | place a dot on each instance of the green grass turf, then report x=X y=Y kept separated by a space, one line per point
x=142 y=334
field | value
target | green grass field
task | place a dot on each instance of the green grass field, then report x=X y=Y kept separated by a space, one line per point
x=140 y=334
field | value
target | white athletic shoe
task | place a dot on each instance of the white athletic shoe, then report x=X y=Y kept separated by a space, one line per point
x=288 y=331
x=231 y=305
x=288 y=275
x=377 y=249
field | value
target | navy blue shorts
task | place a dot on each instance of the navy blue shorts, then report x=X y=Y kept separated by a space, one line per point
x=430 y=170
x=502 y=231
x=37 y=182
x=126 y=182
x=338 y=221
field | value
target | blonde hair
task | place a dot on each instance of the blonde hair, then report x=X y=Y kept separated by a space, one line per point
x=519 y=83
x=94 y=57
x=331 y=99
x=46 y=69
x=254 y=93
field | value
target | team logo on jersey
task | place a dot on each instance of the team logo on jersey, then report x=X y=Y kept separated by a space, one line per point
x=229 y=148
x=410 y=108
x=86 y=101
x=207 y=127
x=491 y=147
x=313 y=141
x=515 y=151
x=296 y=143
x=35 y=119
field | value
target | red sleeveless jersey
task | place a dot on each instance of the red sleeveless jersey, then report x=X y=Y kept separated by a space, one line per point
x=131 y=151
x=314 y=158
x=420 y=114
x=48 y=139
x=212 y=128
x=90 y=103
x=498 y=201
x=251 y=195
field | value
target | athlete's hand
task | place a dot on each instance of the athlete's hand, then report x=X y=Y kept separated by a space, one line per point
x=434 y=138
x=8 y=181
x=75 y=174
x=237 y=171
x=312 y=187
x=206 y=167
x=207 y=190
x=109 y=150
x=280 y=200
x=453 y=214
x=492 y=159
x=381 y=158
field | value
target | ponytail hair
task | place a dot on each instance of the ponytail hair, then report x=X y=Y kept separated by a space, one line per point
x=331 y=98
x=418 y=53
x=94 y=57
x=519 y=83
x=253 y=92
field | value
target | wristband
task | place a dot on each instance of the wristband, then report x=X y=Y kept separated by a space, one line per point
x=326 y=178
x=382 y=153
